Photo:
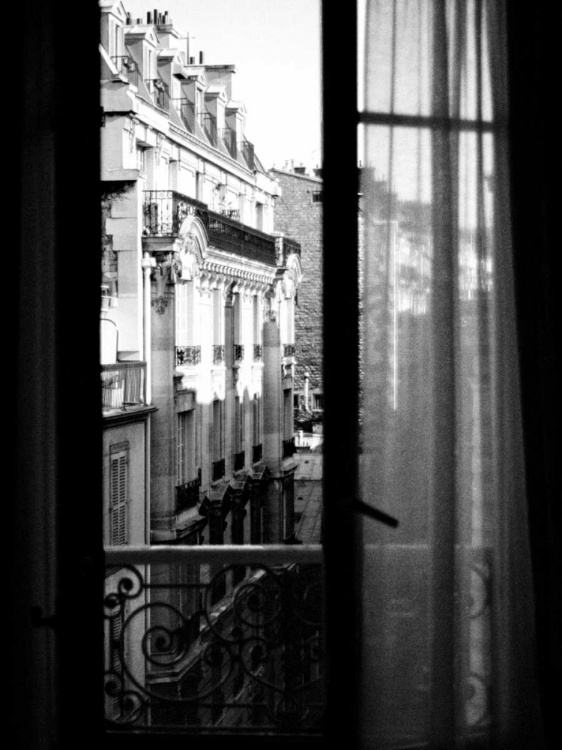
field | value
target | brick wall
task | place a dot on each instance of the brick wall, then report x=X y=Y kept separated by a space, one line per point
x=300 y=217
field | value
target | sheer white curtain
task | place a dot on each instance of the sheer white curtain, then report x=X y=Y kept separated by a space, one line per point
x=448 y=613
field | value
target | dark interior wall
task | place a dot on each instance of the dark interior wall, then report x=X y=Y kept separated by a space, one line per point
x=535 y=73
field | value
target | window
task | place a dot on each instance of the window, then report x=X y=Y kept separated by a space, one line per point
x=119 y=494
x=78 y=709
x=185 y=447
x=317 y=196
x=141 y=165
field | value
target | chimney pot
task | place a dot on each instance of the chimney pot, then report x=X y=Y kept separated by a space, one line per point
x=201 y=58
x=148 y=17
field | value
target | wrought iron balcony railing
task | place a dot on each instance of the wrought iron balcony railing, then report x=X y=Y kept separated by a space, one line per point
x=188 y=355
x=123 y=385
x=209 y=124
x=227 y=234
x=166 y=210
x=218 y=469
x=208 y=638
x=159 y=92
x=239 y=460
x=187 y=494
x=186 y=110
x=257 y=453
x=218 y=354
x=289 y=448
x=238 y=352
x=257 y=352
x=127 y=67
x=289 y=350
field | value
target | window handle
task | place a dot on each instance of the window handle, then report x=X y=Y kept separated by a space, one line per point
x=374 y=513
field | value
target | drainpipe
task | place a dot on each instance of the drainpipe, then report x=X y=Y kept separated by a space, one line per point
x=147 y=263
x=306 y=392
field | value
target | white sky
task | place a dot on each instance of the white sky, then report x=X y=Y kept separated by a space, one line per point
x=275 y=46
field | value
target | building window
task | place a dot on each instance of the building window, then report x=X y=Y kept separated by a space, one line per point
x=141 y=161
x=119 y=494
x=185 y=453
x=317 y=196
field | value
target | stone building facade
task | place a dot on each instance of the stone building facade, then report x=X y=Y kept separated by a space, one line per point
x=298 y=213
x=197 y=336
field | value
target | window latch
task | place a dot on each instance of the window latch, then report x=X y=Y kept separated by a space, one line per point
x=374 y=513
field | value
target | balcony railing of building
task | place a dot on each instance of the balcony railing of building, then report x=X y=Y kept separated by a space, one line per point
x=257 y=453
x=187 y=494
x=218 y=469
x=159 y=92
x=218 y=354
x=247 y=149
x=166 y=210
x=289 y=447
x=188 y=355
x=238 y=352
x=239 y=460
x=289 y=350
x=257 y=352
x=127 y=68
x=227 y=234
x=186 y=110
x=209 y=124
x=228 y=136
x=123 y=385
x=208 y=638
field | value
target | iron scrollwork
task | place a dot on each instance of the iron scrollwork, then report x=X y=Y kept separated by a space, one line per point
x=194 y=649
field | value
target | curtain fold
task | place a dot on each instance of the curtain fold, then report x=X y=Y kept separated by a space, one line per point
x=448 y=607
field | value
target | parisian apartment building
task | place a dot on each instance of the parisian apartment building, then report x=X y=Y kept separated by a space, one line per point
x=198 y=298
x=197 y=340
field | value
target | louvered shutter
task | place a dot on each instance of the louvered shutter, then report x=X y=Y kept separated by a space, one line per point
x=119 y=491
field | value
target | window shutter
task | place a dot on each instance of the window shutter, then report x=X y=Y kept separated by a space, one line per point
x=119 y=491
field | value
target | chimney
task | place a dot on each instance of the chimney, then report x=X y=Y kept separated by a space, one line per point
x=148 y=17
x=192 y=61
x=201 y=58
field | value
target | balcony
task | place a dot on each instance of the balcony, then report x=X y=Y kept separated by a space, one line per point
x=159 y=93
x=166 y=210
x=127 y=68
x=257 y=453
x=257 y=352
x=218 y=354
x=212 y=638
x=218 y=470
x=123 y=385
x=233 y=237
x=188 y=355
x=238 y=352
x=289 y=350
x=289 y=448
x=239 y=460
x=187 y=495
